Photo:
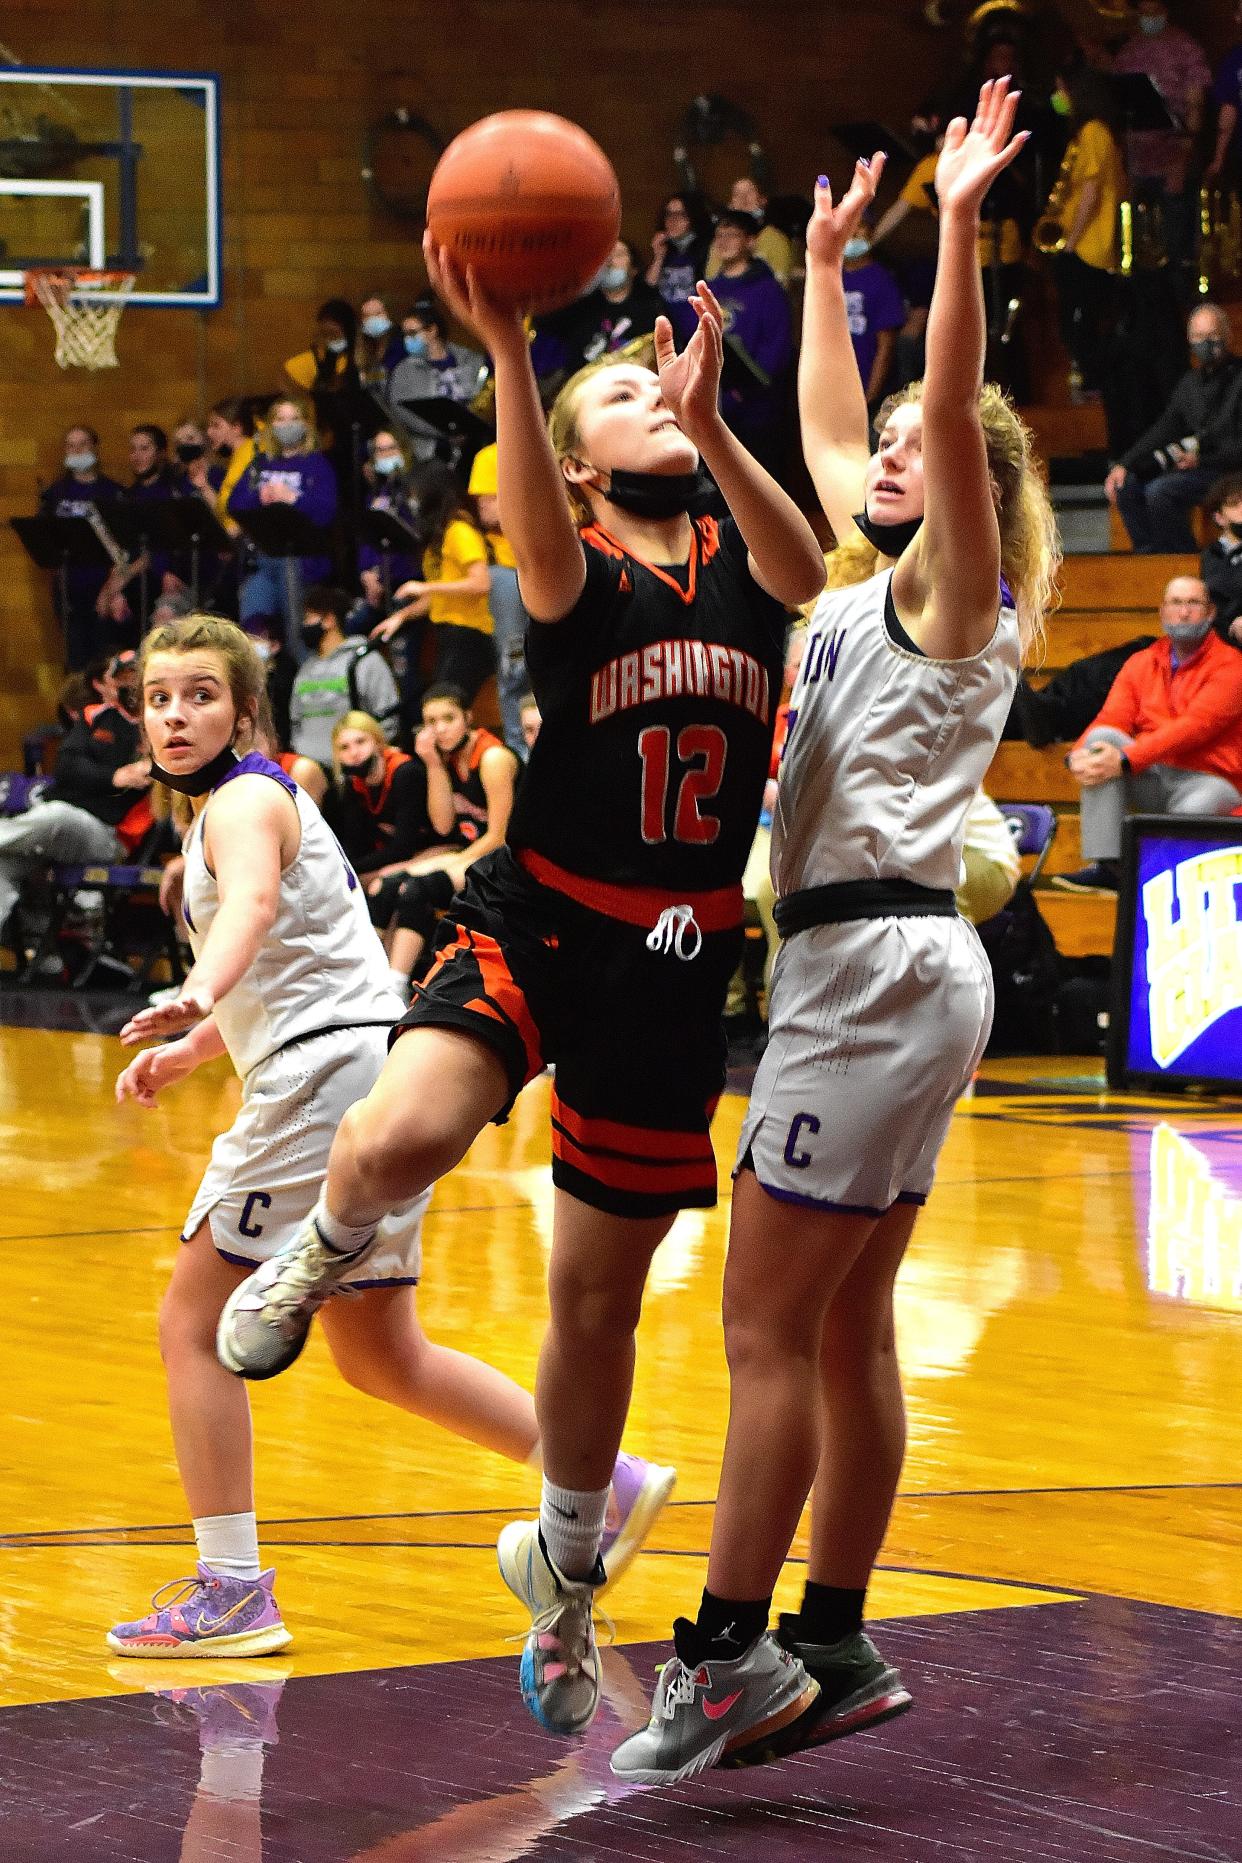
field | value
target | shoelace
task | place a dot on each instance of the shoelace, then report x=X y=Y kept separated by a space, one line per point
x=295 y=1286
x=177 y=1591
x=678 y=1689
x=547 y=1620
x=669 y=933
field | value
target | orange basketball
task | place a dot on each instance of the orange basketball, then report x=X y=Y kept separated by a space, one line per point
x=530 y=202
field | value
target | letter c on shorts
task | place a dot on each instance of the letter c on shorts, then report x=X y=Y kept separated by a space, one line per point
x=257 y=1200
x=800 y=1159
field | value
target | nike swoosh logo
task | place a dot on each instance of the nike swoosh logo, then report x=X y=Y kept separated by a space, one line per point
x=562 y=1513
x=205 y=1625
x=716 y=1710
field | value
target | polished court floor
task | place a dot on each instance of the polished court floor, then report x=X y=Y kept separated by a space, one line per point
x=1062 y=1584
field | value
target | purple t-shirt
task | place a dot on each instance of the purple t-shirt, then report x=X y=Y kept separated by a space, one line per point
x=873 y=302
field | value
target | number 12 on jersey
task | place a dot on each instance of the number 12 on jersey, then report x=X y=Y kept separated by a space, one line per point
x=700 y=750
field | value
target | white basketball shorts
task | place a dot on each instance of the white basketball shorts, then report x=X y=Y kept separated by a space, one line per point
x=876 y=1027
x=266 y=1170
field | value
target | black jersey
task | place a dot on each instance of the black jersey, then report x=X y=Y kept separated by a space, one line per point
x=658 y=693
x=470 y=804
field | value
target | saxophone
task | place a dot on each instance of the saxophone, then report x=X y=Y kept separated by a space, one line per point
x=1048 y=233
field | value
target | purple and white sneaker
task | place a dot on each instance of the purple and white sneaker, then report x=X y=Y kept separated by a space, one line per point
x=208 y=1615
x=639 y=1491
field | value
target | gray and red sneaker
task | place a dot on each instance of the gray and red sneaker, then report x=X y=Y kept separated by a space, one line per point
x=208 y=1615
x=639 y=1491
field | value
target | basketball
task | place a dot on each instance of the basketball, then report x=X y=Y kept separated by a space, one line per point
x=530 y=202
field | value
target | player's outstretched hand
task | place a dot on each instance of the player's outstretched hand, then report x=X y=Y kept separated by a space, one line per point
x=148 y=1072
x=835 y=222
x=499 y=325
x=975 y=153
x=690 y=382
x=193 y=1005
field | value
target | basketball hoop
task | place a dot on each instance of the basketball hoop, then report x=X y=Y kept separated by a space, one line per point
x=85 y=309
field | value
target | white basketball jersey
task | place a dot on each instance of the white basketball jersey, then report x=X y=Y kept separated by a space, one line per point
x=320 y=966
x=886 y=747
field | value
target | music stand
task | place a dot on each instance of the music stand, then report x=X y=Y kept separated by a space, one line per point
x=284 y=532
x=739 y=371
x=391 y=536
x=186 y=527
x=452 y=422
x=133 y=523
x=1142 y=105
x=59 y=544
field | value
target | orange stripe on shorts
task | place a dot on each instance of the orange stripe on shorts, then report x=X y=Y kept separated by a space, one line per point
x=655 y=1179
x=634 y=1141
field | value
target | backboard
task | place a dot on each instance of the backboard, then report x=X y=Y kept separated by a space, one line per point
x=115 y=170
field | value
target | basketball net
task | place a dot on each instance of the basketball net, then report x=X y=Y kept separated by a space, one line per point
x=85 y=309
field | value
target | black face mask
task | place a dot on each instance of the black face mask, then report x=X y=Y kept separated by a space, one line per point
x=369 y=771
x=188 y=451
x=311 y=636
x=1208 y=351
x=198 y=782
x=888 y=539
x=661 y=494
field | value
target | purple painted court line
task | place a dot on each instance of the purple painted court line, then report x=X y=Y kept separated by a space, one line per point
x=1092 y=1732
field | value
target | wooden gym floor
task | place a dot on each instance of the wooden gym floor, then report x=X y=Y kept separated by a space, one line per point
x=1062 y=1583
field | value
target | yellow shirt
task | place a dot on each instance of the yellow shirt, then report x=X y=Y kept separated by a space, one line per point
x=915 y=194
x=243 y=454
x=483 y=484
x=1093 y=154
x=463 y=545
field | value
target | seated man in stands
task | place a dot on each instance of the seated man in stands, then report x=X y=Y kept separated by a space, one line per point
x=1221 y=563
x=337 y=676
x=1157 y=484
x=99 y=811
x=1168 y=739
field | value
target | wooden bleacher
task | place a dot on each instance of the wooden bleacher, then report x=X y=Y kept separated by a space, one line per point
x=1105 y=600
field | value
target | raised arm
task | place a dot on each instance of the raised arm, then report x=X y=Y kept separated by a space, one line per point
x=831 y=401
x=785 y=557
x=946 y=585
x=534 y=510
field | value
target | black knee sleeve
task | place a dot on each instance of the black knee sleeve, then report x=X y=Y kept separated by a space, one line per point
x=420 y=899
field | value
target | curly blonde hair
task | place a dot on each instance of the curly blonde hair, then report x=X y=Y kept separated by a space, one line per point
x=1030 y=548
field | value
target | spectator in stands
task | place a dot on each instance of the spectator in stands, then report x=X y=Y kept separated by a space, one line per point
x=328 y=366
x=298 y=475
x=508 y=614
x=1168 y=738
x=1225 y=161
x=434 y=369
x=268 y=634
x=230 y=438
x=207 y=466
x=379 y=800
x=100 y=809
x=1159 y=160
x=771 y=245
x=388 y=480
x=1221 y=562
x=189 y=448
x=621 y=308
x=80 y=491
x=379 y=348
x=128 y=595
x=758 y=341
x=1094 y=179
x=532 y=722
x=876 y=311
x=679 y=248
x=337 y=676
x=1168 y=471
x=991 y=868
x=455 y=584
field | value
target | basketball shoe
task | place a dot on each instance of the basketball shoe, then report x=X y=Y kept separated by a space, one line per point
x=560 y=1662
x=639 y=1491
x=857 y=1688
x=266 y=1320
x=208 y=1615
x=710 y=1713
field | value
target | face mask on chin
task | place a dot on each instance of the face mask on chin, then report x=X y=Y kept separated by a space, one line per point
x=660 y=495
x=368 y=769
x=1187 y=635
x=888 y=539
x=197 y=782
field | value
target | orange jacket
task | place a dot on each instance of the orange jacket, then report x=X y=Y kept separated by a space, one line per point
x=1188 y=716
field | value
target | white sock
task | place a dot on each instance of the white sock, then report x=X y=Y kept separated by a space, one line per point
x=229 y=1544
x=400 y=982
x=343 y=1238
x=572 y=1523
x=234 y=1774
